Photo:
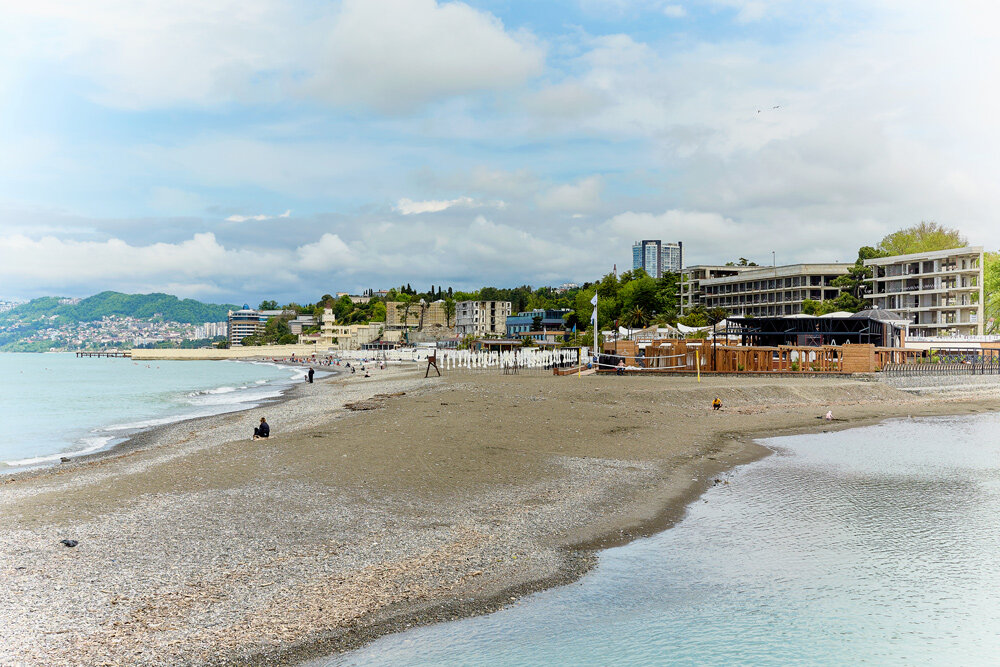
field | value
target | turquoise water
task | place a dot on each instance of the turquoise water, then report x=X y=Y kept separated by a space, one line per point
x=57 y=405
x=875 y=545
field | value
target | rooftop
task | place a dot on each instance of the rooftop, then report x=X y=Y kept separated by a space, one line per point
x=934 y=254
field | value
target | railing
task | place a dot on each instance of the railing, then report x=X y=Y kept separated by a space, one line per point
x=921 y=370
x=942 y=339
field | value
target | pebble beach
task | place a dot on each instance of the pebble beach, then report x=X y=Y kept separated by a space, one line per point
x=378 y=504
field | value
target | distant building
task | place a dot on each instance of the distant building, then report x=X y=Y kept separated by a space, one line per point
x=343 y=337
x=565 y=287
x=692 y=293
x=657 y=257
x=939 y=293
x=244 y=322
x=421 y=315
x=296 y=325
x=356 y=299
x=772 y=291
x=524 y=323
x=481 y=318
x=671 y=257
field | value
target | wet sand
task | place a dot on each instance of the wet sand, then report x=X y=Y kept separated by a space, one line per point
x=198 y=546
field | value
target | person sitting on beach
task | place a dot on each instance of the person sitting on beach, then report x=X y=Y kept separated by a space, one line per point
x=262 y=431
x=717 y=404
x=828 y=416
x=620 y=368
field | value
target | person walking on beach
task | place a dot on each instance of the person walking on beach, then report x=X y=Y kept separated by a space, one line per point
x=310 y=376
x=262 y=431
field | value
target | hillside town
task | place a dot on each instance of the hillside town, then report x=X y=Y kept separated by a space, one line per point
x=111 y=332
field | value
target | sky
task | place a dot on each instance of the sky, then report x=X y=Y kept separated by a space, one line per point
x=233 y=151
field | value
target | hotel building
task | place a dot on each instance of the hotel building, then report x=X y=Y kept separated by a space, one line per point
x=940 y=292
x=244 y=322
x=481 y=318
x=771 y=291
x=692 y=293
x=524 y=323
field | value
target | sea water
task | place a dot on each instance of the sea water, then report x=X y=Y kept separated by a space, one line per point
x=876 y=545
x=54 y=405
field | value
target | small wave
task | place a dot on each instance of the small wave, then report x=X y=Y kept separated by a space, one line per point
x=91 y=444
x=217 y=390
x=247 y=397
x=148 y=423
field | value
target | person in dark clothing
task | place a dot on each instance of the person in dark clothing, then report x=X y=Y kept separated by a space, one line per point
x=262 y=431
x=311 y=372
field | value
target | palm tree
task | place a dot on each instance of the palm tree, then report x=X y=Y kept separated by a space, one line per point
x=636 y=318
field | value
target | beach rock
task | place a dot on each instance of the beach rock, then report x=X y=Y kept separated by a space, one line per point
x=63 y=459
x=69 y=543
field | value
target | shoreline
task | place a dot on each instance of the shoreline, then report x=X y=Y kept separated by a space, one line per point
x=146 y=436
x=446 y=512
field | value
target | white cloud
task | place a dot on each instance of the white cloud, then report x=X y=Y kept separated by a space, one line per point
x=329 y=253
x=396 y=54
x=389 y=54
x=584 y=195
x=410 y=207
x=260 y=217
x=50 y=260
x=675 y=11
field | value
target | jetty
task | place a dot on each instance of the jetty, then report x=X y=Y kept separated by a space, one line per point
x=111 y=353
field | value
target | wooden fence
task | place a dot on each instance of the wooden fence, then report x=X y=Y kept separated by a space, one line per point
x=687 y=356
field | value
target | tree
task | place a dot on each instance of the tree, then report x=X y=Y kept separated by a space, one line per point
x=696 y=317
x=268 y=305
x=449 y=308
x=635 y=318
x=925 y=237
x=536 y=323
x=641 y=294
x=991 y=291
x=743 y=261
x=854 y=285
x=407 y=305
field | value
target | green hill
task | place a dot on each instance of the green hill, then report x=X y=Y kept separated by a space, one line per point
x=160 y=306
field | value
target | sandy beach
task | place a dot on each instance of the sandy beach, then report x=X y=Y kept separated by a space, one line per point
x=429 y=500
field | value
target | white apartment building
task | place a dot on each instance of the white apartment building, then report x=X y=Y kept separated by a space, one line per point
x=692 y=293
x=482 y=318
x=772 y=291
x=940 y=292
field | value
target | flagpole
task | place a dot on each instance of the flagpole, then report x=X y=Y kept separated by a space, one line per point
x=597 y=357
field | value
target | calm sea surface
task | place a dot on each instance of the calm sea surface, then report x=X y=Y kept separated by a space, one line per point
x=57 y=405
x=875 y=545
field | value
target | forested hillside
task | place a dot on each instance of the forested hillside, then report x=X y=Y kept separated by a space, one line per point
x=162 y=306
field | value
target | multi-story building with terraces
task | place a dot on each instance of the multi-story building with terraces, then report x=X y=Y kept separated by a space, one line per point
x=940 y=292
